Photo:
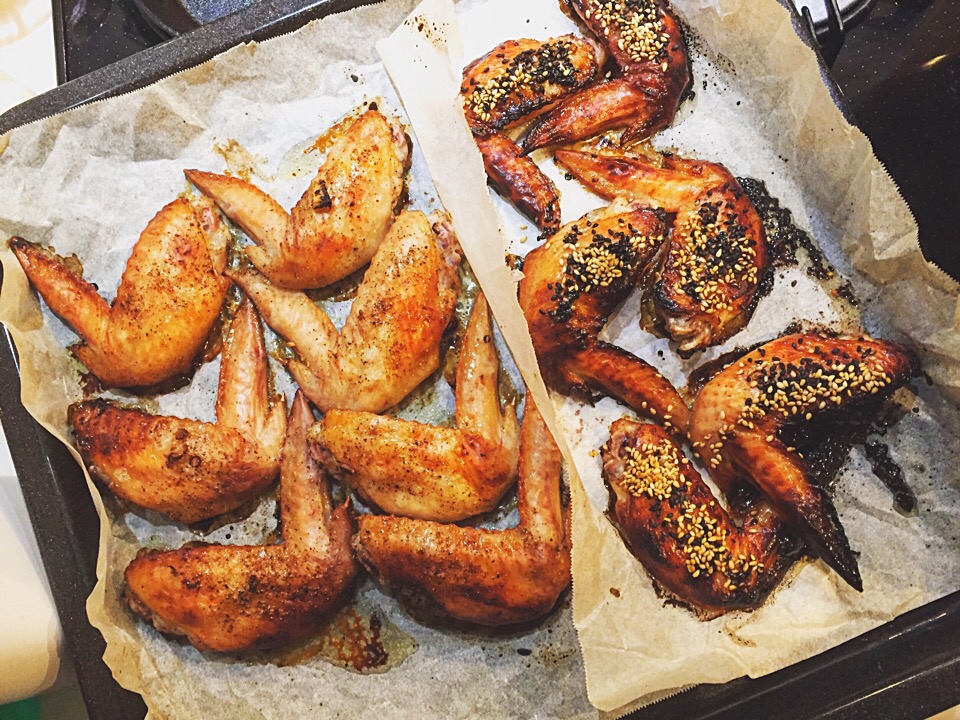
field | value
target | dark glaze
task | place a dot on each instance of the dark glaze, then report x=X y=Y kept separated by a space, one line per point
x=891 y=474
x=708 y=559
x=785 y=238
x=571 y=286
x=650 y=76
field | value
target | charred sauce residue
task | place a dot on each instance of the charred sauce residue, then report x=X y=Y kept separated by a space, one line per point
x=783 y=236
x=891 y=474
x=354 y=640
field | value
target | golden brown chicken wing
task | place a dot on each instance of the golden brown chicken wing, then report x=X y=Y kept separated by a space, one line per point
x=427 y=472
x=390 y=342
x=512 y=84
x=739 y=414
x=232 y=597
x=646 y=44
x=717 y=259
x=186 y=469
x=341 y=219
x=572 y=284
x=480 y=576
x=168 y=300
x=711 y=560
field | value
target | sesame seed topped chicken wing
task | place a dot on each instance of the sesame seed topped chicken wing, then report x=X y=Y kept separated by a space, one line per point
x=572 y=284
x=717 y=258
x=512 y=84
x=738 y=416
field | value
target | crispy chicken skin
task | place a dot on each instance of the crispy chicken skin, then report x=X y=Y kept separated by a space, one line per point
x=232 y=597
x=169 y=298
x=646 y=45
x=512 y=84
x=186 y=469
x=484 y=577
x=739 y=413
x=433 y=473
x=390 y=342
x=711 y=560
x=717 y=259
x=572 y=284
x=517 y=178
x=341 y=219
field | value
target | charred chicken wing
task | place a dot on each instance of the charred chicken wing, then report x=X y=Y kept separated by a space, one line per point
x=512 y=84
x=168 y=300
x=390 y=342
x=485 y=577
x=233 y=597
x=646 y=44
x=740 y=413
x=572 y=284
x=717 y=258
x=341 y=219
x=186 y=469
x=711 y=560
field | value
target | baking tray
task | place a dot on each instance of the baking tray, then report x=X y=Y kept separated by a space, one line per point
x=909 y=668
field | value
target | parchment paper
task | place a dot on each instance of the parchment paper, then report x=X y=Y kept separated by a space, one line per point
x=87 y=182
x=761 y=109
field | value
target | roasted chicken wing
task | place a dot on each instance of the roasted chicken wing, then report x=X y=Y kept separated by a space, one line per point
x=572 y=284
x=390 y=342
x=480 y=576
x=512 y=84
x=427 y=472
x=233 y=597
x=168 y=300
x=711 y=560
x=646 y=44
x=739 y=415
x=717 y=259
x=341 y=219
x=186 y=469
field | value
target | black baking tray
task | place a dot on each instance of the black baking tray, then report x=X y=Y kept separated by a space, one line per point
x=909 y=668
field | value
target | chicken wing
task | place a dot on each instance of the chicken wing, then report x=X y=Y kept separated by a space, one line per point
x=169 y=298
x=571 y=285
x=646 y=44
x=234 y=597
x=485 y=577
x=513 y=83
x=186 y=469
x=433 y=473
x=390 y=342
x=710 y=560
x=739 y=414
x=717 y=259
x=341 y=219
